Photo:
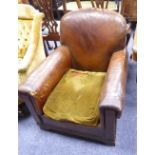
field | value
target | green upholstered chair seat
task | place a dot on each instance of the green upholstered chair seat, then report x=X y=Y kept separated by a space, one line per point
x=76 y=97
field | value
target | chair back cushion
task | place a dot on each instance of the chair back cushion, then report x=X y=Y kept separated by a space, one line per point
x=92 y=36
x=24 y=31
x=30 y=44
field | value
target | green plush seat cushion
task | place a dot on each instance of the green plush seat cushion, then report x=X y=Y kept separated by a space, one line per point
x=76 y=97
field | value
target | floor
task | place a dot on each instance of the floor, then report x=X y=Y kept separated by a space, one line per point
x=35 y=141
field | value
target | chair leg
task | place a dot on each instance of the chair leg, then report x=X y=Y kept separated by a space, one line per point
x=45 y=48
x=23 y=111
x=110 y=126
x=30 y=103
x=55 y=43
x=118 y=5
x=107 y=4
x=49 y=46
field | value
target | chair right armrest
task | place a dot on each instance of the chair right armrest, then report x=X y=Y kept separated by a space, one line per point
x=113 y=92
x=43 y=79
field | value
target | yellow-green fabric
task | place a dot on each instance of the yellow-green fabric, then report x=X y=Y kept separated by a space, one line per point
x=24 y=30
x=76 y=97
x=30 y=44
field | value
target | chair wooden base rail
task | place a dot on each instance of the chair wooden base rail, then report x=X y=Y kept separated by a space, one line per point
x=102 y=134
x=105 y=132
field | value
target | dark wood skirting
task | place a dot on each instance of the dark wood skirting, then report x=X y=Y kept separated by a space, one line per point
x=105 y=132
x=99 y=133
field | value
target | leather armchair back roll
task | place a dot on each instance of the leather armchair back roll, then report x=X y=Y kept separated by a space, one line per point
x=92 y=36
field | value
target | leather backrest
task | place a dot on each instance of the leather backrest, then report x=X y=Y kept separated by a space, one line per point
x=92 y=36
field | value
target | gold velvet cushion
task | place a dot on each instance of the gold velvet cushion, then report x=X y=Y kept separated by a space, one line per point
x=75 y=98
x=24 y=31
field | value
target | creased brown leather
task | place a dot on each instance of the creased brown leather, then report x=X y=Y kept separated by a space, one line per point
x=93 y=35
x=43 y=80
x=113 y=91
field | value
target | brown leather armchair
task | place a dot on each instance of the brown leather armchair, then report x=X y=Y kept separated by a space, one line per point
x=92 y=40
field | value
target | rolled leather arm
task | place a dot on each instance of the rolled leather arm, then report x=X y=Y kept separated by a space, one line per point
x=113 y=91
x=43 y=79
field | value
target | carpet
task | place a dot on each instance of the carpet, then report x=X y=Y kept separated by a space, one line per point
x=35 y=141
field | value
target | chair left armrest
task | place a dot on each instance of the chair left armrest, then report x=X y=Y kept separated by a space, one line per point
x=113 y=91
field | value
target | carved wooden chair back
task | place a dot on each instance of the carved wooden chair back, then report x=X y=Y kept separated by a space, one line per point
x=53 y=9
x=90 y=3
x=49 y=25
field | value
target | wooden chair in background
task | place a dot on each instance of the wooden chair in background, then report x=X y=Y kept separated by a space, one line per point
x=70 y=5
x=50 y=26
x=55 y=9
x=23 y=1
